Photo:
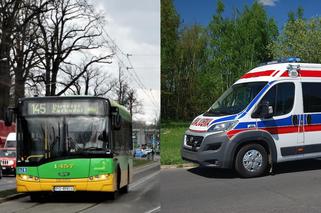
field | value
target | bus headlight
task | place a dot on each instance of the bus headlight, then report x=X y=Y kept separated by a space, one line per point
x=222 y=126
x=99 y=177
x=29 y=178
x=10 y=162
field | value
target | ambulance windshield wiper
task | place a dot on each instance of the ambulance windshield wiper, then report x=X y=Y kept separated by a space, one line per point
x=217 y=112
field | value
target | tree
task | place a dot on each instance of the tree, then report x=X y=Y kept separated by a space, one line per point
x=199 y=64
x=15 y=18
x=240 y=44
x=125 y=95
x=169 y=36
x=190 y=66
x=8 y=12
x=300 y=38
x=235 y=46
x=133 y=103
x=94 y=81
x=23 y=53
x=68 y=30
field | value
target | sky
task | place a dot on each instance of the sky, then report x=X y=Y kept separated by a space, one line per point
x=201 y=11
x=135 y=27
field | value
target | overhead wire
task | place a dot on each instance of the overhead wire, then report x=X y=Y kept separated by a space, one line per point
x=116 y=49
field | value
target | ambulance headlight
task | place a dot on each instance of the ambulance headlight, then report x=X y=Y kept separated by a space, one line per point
x=220 y=127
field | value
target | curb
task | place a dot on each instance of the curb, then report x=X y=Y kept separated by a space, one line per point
x=13 y=197
x=145 y=167
x=179 y=166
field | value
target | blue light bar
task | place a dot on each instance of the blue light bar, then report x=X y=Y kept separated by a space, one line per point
x=289 y=60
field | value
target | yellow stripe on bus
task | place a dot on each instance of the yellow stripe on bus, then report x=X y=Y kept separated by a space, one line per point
x=80 y=184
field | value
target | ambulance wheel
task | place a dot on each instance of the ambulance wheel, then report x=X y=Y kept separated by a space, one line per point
x=251 y=161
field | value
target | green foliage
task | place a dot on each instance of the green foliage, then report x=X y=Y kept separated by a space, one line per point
x=141 y=162
x=190 y=64
x=169 y=36
x=240 y=44
x=301 y=38
x=171 y=139
x=201 y=62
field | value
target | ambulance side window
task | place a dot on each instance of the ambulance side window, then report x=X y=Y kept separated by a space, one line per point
x=281 y=98
x=311 y=97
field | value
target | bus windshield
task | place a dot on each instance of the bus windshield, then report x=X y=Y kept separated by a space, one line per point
x=50 y=137
x=235 y=99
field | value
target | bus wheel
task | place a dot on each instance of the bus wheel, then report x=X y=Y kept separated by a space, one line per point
x=251 y=161
x=36 y=197
x=124 y=189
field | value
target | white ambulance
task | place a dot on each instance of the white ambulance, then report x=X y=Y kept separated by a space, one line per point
x=272 y=114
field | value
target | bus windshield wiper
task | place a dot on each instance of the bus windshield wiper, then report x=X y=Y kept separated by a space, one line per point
x=93 y=148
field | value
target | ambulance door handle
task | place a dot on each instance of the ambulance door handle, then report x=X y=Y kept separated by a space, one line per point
x=309 y=119
x=295 y=120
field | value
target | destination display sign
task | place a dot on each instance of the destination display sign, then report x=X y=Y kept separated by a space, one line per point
x=65 y=107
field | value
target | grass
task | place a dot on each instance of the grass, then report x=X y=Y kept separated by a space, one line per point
x=141 y=162
x=171 y=141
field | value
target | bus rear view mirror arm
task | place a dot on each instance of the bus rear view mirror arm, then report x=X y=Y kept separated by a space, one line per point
x=8 y=117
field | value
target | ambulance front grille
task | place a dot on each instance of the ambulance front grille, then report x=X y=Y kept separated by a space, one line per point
x=194 y=141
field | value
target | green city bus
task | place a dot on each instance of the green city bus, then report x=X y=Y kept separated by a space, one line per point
x=76 y=143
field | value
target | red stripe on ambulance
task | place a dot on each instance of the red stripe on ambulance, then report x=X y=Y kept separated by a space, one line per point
x=258 y=74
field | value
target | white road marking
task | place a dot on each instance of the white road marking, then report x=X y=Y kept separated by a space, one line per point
x=142 y=180
x=154 y=210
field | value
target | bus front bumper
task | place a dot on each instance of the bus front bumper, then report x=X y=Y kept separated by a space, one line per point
x=81 y=184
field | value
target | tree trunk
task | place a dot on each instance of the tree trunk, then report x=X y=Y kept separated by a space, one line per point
x=48 y=72
x=4 y=87
x=5 y=80
x=19 y=87
x=55 y=70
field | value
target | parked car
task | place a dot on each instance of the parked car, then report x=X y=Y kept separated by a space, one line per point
x=147 y=151
x=8 y=160
x=4 y=131
x=139 y=153
x=11 y=141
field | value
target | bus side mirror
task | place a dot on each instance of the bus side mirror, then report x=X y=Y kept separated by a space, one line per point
x=103 y=136
x=8 y=117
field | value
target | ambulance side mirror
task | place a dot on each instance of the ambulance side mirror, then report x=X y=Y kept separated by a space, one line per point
x=263 y=111
x=266 y=111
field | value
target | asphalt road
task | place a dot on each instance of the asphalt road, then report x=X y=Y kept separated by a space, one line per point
x=294 y=187
x=7 y=182
x=143 y=196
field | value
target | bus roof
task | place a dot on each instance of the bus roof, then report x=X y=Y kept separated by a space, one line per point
x=122 y=110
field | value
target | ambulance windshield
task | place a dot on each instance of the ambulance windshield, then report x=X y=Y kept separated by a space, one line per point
x=235 y=99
